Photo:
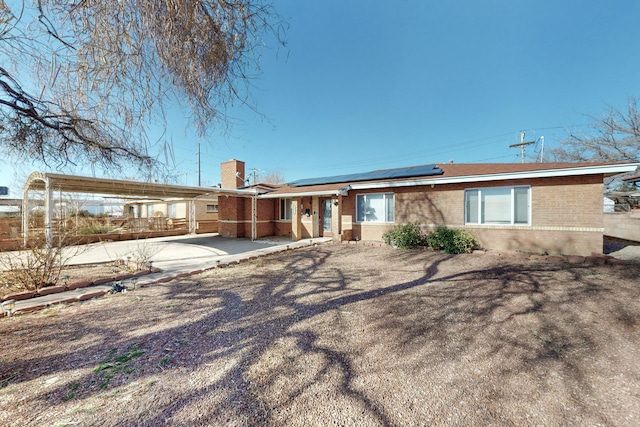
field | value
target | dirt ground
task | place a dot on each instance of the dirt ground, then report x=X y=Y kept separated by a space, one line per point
x=76 y=273
x=338 y=335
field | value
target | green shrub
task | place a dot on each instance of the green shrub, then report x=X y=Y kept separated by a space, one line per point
x=405 y=236
x=451 y=240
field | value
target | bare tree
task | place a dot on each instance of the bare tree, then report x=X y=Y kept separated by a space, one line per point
x=274 y=177
x=81 y=81
x=614 y=137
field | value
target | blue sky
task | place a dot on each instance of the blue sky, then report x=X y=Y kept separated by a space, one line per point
x=379 y=84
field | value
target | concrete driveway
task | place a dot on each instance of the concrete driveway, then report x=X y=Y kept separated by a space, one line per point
x=177 y=254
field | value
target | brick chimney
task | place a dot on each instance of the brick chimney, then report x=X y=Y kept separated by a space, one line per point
x=230 y=171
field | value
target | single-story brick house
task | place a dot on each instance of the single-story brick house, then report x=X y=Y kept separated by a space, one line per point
x=554 y=208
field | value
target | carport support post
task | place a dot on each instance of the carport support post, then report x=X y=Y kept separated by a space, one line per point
x=25 y=217
x=48 y=213
x=254 y=217
x=192 y=216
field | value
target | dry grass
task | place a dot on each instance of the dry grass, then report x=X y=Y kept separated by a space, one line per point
x=338 y=335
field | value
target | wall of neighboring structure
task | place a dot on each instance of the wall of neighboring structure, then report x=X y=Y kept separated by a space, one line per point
x=623 y=225
x=566 y=215
x=206 y=222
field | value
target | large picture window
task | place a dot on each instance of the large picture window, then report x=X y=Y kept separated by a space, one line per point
x=285 y=209
x=374 y=207
x=498 y=205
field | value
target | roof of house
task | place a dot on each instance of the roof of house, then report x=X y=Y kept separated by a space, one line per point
x=450 y=173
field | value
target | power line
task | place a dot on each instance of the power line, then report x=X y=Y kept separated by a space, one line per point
x=522 y=144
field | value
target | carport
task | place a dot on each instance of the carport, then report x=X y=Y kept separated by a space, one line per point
x=50 y=182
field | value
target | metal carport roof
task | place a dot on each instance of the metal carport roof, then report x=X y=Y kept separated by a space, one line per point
x=49 y=182
x=83 y=184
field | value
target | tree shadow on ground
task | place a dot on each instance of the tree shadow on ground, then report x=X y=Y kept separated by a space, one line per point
x=263 y=339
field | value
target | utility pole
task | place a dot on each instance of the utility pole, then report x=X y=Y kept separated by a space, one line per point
x=254 y=170
x=522 y=144
x=199 y=182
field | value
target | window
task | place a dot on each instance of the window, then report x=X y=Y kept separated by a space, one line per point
x=212 y=208
x=149 y=210
x=498 y=205
x=285 y=209
x=172 y=210
x=374 y=207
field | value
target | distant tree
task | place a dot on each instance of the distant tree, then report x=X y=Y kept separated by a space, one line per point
x=614 y=137
x=274 y=177
x=80 y=81
x=626 y=187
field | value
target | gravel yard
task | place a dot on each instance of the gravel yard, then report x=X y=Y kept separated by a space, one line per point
x=338 y=335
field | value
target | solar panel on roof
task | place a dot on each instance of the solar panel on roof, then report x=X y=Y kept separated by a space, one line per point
x=408 y=172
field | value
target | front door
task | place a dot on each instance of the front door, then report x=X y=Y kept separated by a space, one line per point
x=325 y=219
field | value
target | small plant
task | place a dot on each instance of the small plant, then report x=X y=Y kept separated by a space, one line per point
x=405 y=236
x=38 y=266
x=113 y=364
x=554 y=347
x=72 y=392
x=7 y=379
x=143 y=253
x=451 y=240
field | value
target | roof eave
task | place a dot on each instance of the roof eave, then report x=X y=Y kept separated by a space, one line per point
x=339 y=192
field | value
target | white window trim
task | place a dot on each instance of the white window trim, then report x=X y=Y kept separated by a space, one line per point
x=213 y=210
x=385 y=213
x=513 y=211
x=282 y=215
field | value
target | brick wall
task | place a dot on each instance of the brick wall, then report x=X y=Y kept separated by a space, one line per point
x=201 y=210
x=566 y=215
x=230 y=216
x=235 y=214
x=623 y=225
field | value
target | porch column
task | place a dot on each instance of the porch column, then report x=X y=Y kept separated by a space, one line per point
x=336 y=218
x=296 y=220
x=315 y=216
